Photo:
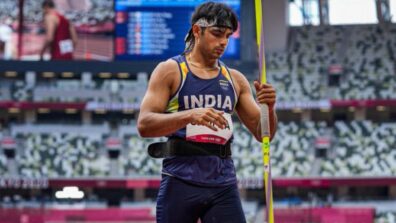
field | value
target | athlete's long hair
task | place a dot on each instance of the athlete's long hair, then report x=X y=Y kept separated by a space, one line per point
x=219 y=13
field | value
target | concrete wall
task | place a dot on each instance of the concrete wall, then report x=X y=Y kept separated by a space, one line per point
x=275 y=24
x=275 y=27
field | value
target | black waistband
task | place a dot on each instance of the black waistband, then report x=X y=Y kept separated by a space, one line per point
x=181 y=147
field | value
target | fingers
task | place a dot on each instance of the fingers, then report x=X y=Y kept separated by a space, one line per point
x=265 y=88
x=257 y=85
x=216 y=118
x=211 y=125
x=210 y=118
x=269 y=102
x=265 y=94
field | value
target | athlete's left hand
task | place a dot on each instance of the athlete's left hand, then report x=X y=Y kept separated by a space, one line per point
x=265 y=94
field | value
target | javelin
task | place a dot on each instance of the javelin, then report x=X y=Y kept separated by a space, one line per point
x=265 y=129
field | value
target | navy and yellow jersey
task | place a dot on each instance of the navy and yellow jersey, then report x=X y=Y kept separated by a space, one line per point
x=195 y=92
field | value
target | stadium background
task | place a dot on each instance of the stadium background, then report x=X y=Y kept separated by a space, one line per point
x=70 y=151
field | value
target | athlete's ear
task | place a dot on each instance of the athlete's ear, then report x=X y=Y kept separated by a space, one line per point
x=196 y=31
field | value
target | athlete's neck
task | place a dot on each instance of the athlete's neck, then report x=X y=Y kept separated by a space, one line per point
x=199 y=60
x=50 y=11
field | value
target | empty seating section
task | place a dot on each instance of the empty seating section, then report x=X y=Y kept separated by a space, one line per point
x=3 y=159
x=125 y=91
x=99 y=12
x=362 y=148
x=298 y=73
x=370 y=72
x=287 y=88
x=4 y=93
x=61 y=151
x=91 y=130
x=8 y=8
x=3 y=163
x=385 y=217
x=136 y=161
x=317 y=46
x=61 y=155
x=19 y=91
x=366 y=52
x=292 y=150
x=358 y=148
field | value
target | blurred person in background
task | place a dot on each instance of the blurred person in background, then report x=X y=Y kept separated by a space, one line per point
x=190 y=98
x=60 y=35
x=6 y=48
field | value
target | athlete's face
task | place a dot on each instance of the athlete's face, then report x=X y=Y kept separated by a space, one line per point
x=213 y=41
x=46 y=9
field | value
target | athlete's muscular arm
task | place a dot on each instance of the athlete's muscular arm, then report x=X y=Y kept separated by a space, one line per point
x=50 y=23
x=248 y=109
x=154 y=122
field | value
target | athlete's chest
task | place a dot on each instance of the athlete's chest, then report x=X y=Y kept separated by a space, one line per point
x=214 y=93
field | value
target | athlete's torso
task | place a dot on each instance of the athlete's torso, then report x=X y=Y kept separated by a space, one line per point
x=62 y=46
x=195 y=92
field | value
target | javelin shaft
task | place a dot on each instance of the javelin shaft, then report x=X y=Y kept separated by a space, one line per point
x=265 y=129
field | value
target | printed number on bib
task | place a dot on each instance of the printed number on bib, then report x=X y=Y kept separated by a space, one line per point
x=200 y=133
x=66 y=46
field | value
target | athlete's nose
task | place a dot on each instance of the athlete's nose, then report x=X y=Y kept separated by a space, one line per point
x=223 y=42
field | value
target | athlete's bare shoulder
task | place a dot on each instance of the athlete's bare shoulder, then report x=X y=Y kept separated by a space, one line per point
x=168 y=66
x=167 y=72
x=239 y=80
x=50 y=16
x=50 y=19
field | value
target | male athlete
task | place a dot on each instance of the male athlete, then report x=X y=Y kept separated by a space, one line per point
x=190 y=99
x=60 y=35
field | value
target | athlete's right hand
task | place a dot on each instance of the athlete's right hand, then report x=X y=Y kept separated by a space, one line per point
x=208 y=117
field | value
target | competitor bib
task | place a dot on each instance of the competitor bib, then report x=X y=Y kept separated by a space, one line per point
x=203 y=134
x=66 y=46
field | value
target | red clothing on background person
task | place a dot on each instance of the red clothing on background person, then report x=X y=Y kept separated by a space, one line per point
x=62 y=45
x=60 y=35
